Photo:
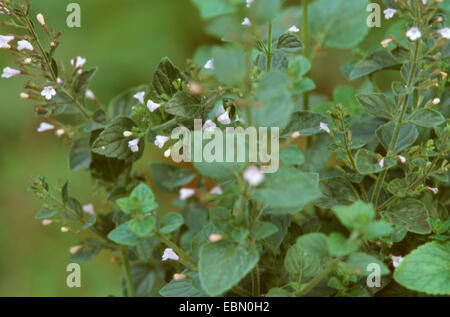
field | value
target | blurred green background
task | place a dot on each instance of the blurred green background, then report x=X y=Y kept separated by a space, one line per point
x=125 y=39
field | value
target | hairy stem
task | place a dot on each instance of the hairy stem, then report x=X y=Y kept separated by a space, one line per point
x=269 y=48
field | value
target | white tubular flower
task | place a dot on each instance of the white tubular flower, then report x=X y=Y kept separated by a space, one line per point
x=64 y=229
x=40 y=18
x=436 y=101
x=445 y=33
x=78 y=62
x=90 y=94
x=381 y=163
x=161 y=140
x=209 y=126
x=44 y=126
x=414 y=33
x=294 y=29
x=396 y=261
x=24 y=95
x=167 y=153
x=216 y=190
x=389 y=13
x=220 y=111
x=246 y=22
x=9 y=72
x=385 y=42
x=127 y=134
x=402 y=159
x=75 y=249
x=4 y=41
x=140 y=96
x=249 y=3
x=253 y=176
x=169 y=254
x=89 y=209
x=209 y=64
x=214 y=237
x=224 y=118
x=60 y=132
x=47 y=222
x=179 y=277
x=324 y=127
x=434 y=190
x=24 y=45
x=152 y=106
x=48 y=92
x=134 y=145
x=186 y=193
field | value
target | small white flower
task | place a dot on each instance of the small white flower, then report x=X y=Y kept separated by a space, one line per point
x=64 y=229
x=3 y=10
x=436 y=101
x=60 y=132
x=214 y=237
x=152 y=106
x=78 y=62
x=44 y=126
x=324 y=127
x=424 y=2
x=295 y=135
x=40 y=19
x=90 y=94
x=414 y=33
x=24 y=45
x=381 y=163
x=169 y=254
x=179 y=277
x=238 y=119
x=9 y=72
x=134 y=145
x=75 y=249
x=161 y=140
x=249 y=3
x=385 y=42
x=389 y=13
x=216 y=190
x=4 y=40
x=28 y=60
x=246 y=22
x=186 y=193
x=220 y=111
x=48 y=92
x=127 y=134
x=209 y=126
x=253 y=175
x=434 y=190
x=224 y=118
x=396 y=260
x=59 y=81
x=294 y=29
x=402 y=159
x=445 y=33
x=24 y=95
x=167 y=153
x=209 y=64
x=47 y=222
x=140 y=96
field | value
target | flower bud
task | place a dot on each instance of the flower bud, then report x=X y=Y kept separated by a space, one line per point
x=40 y=19
x=64 y=229
x=24 y=95
x=214 y=237
x=127 y=134
x=75 y=249
x=179 y=276
x=47 y=222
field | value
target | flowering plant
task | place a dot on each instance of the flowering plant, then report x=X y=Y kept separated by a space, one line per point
x=359 y=205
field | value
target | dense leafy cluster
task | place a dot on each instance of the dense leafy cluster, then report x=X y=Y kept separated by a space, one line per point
x=363 y=177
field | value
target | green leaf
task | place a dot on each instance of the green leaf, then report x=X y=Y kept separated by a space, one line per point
x=225 y=259
x=168 y=177
x=262 y=229
x=82 y=81
x=314 y=244
x=162 y=84
x=111 y=142
x=427 y=118
x=377 y=105
x=45 y=213
x=292 y=156
x=144 y=195
x=80 y=155
x=368 y=162
x=121 y=105
x=171 y=222
x=338 y=245
x=123 y=235
x=288 y=188
x=410 y=214
x=142 y=227
x=377 y=61
x=263 y=11
x=184 y=105
x=346 y=96
x=299 y=65
x=358 y=262
x=426 y=269
x=212 y=8
x=407 y=136
x=146 y=280
x=355 y=216
x=306 y=123
x=183 y=288
x=378 y=229
x=278 y=292
x=303 y=259
x=336 y=191
x=340 y=24
x=229 y=65
x=289 y=43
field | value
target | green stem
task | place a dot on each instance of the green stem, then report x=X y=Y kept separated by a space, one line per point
x=256 y=291
x=126 y=268
x=316 y=280
x=269 y=48
x=306 y=49
x=398 y=127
